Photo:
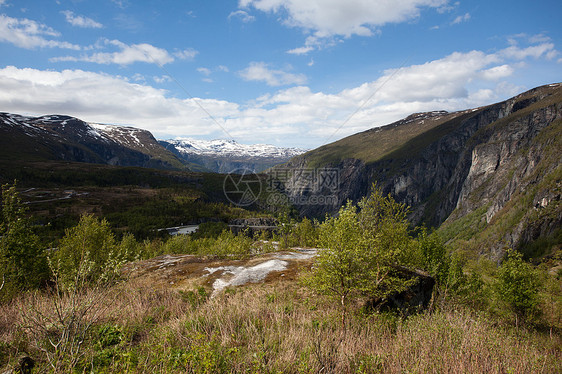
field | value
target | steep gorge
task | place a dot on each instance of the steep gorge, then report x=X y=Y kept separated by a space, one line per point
x=494 y=162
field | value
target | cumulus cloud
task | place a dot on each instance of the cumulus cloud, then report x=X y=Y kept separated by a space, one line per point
x=287 y=116
x=353 y=17
x=107 y=99
x=260 y=71
x=126 y=55
x=81 y=21
x=28 y=34
x=534 y=51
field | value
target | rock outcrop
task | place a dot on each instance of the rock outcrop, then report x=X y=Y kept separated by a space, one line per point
x=415 y=298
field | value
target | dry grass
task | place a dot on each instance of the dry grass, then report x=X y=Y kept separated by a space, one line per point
x=279 y=327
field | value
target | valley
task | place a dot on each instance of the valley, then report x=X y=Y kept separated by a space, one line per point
x=327 y=268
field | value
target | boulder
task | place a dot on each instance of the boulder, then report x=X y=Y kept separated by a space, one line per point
x=415 y=298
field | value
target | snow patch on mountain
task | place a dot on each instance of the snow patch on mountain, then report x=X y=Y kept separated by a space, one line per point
x=124 y=135
x=231 y=148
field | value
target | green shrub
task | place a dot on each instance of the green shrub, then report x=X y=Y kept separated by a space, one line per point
x=23 y=263
x=89 y=253
x=517 y=286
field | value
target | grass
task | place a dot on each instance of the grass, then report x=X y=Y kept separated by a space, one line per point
x=275 y=328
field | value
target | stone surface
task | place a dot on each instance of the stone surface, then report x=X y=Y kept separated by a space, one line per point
x=415 y=298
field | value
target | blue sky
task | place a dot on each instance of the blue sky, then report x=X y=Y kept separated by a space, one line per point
x=285 y=72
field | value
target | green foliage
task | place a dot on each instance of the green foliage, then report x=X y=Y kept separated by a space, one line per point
x=518 y=286
x=209 y=230
x=89 y=253
x=436 y=260
x=226 y=244
x=338 y=269
x=22 y=261
x=203 y=356
x=363 y=250
x=453 y=285
x=292 y=233
x=196 y=297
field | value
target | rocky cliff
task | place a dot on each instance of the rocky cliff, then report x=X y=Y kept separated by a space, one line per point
x=498 y=165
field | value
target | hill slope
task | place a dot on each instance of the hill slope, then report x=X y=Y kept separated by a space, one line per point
x=57 y=137
x=477 y=165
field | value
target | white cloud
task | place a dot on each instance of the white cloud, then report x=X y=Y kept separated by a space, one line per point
x=497 y=72
x=104 y=98
x=295 y=116
x=352 y=17
x=81 y=21
x=121 y=3
x=28 y=34
x=204 y=71
x=162 y=79
x=242 y=16
x=260 y=71
x=534 y=51
x=447 y=7
x=126 y=55
x=137 y=77
x=186 y=54
x=539 y=38
x=300 y=50
x=312 y=42
x=461 y=19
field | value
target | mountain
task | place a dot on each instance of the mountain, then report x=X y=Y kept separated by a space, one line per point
x=224 y=156
x=58 y=137
x=489 y=177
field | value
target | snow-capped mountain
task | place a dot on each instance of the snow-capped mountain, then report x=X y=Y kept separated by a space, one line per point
x=58 y=137
x=223 y=156
x=231 y=148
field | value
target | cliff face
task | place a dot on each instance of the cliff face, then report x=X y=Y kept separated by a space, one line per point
x=493 y=160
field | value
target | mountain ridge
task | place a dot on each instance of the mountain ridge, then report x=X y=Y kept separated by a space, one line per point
x=224 y=156
x=62 y=137
x=448 y=168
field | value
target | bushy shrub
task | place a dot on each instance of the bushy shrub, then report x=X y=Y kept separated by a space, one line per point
x=517 y=286
x=363 y=250
x=89 y=253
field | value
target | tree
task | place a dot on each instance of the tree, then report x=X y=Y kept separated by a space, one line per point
x=89 y=253
x=22 y=261
x=435 y=258
x=339 y=268
x=518 y=286
x=364 y=250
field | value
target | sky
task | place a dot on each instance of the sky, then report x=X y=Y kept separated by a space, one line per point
x=291 y=73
